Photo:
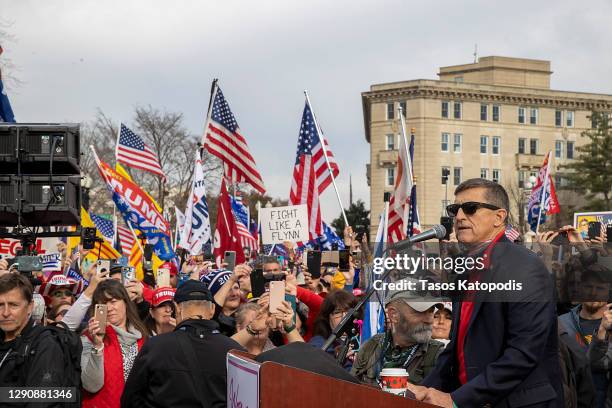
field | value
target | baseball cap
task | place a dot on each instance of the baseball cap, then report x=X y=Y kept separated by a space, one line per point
x=192 y=290
x=161 y=295
x=419 y=301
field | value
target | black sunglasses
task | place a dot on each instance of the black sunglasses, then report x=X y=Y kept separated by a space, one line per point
x=469 y=208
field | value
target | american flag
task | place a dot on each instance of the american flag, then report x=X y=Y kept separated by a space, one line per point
x=241 y=216
x=399 y=205
x=511 y=233
x=224 y=140
x=105 y=226
x=132 y=151
x=311 y=176
x=126 y=239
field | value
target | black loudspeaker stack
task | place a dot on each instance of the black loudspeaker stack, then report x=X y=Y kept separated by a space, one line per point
x=40 y=176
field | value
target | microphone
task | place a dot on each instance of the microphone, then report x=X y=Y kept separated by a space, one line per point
x=438 y=231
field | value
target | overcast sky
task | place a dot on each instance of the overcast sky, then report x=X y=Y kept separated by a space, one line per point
x=77 y=55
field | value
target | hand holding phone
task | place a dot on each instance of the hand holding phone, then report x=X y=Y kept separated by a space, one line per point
x=103 y=265
x=594 y=229
x=277 y=295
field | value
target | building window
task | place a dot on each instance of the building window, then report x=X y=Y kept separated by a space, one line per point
x=445 y=174
x=445 y=109
x=533 y=116
x=403 y=106
x=495 y=113
x=569 y=118
x=444 y=142
x=457 y=110
x=496 y=173
x=483 y=111
x=390 y=176
x=483 y=144
x=457 y=143
x=495 y=144
x=390 y=142
x=457 y=176
x=390 y=111
x=558 y=149
x=521 y=115
x=521 y=146
x=533 y=146
x=484 y=174
x=521 y=178
x=558 y=118
x=570 y=150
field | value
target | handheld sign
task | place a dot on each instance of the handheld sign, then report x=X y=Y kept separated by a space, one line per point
x=280 y=224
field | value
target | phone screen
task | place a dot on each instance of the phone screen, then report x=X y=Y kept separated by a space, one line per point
x=594 y=229
x=609 y=232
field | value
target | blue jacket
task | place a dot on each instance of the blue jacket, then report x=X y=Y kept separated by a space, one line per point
x=511 y=348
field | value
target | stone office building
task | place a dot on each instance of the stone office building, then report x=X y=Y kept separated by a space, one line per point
x=494 y=119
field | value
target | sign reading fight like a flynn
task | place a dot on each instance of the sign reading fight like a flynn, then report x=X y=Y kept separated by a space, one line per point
x=242 y=382
x=280 y=224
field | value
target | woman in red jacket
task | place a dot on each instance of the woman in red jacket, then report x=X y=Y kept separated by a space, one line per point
x=109 y=352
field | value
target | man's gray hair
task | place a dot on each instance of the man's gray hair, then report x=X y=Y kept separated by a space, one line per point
x=494 y=192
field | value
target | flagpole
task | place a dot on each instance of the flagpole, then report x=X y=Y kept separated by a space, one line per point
x=386 y=226
x=176 y=229
x=543 y=191
x=213 y=93
x=135 y=236
x=258 y=225
x=322 y=141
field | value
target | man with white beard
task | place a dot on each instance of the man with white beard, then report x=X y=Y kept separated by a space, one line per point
x=407 y=342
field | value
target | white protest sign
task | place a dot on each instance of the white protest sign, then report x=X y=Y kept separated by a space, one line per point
x=242 y=382
x=279 y=224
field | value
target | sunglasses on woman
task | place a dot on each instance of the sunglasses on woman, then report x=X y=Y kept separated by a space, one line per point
x=469 y=208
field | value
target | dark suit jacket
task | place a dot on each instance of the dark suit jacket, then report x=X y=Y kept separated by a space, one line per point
x=511 y=349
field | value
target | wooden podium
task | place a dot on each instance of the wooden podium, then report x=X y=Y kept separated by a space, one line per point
x=275 y=385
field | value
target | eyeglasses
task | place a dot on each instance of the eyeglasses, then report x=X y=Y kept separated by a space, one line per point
x=62 y=293
x=469 y=208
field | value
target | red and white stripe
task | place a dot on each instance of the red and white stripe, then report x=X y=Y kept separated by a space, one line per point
x=246 y=239
x=324 y=178
x=304 y=190
x=126 y=239
x=144 y=160
x=399 y=204
x=232 y=149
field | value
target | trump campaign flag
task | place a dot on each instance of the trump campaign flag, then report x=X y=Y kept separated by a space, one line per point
x=138 y=210
x=196 y=230
x=543 y=199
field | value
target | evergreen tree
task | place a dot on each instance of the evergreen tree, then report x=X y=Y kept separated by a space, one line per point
x=591 y=172
x=358 y=218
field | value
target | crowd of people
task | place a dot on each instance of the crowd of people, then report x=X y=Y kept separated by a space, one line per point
x=134 y=343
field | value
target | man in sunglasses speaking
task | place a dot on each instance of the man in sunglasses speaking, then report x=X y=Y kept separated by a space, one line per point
x=503 y=350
